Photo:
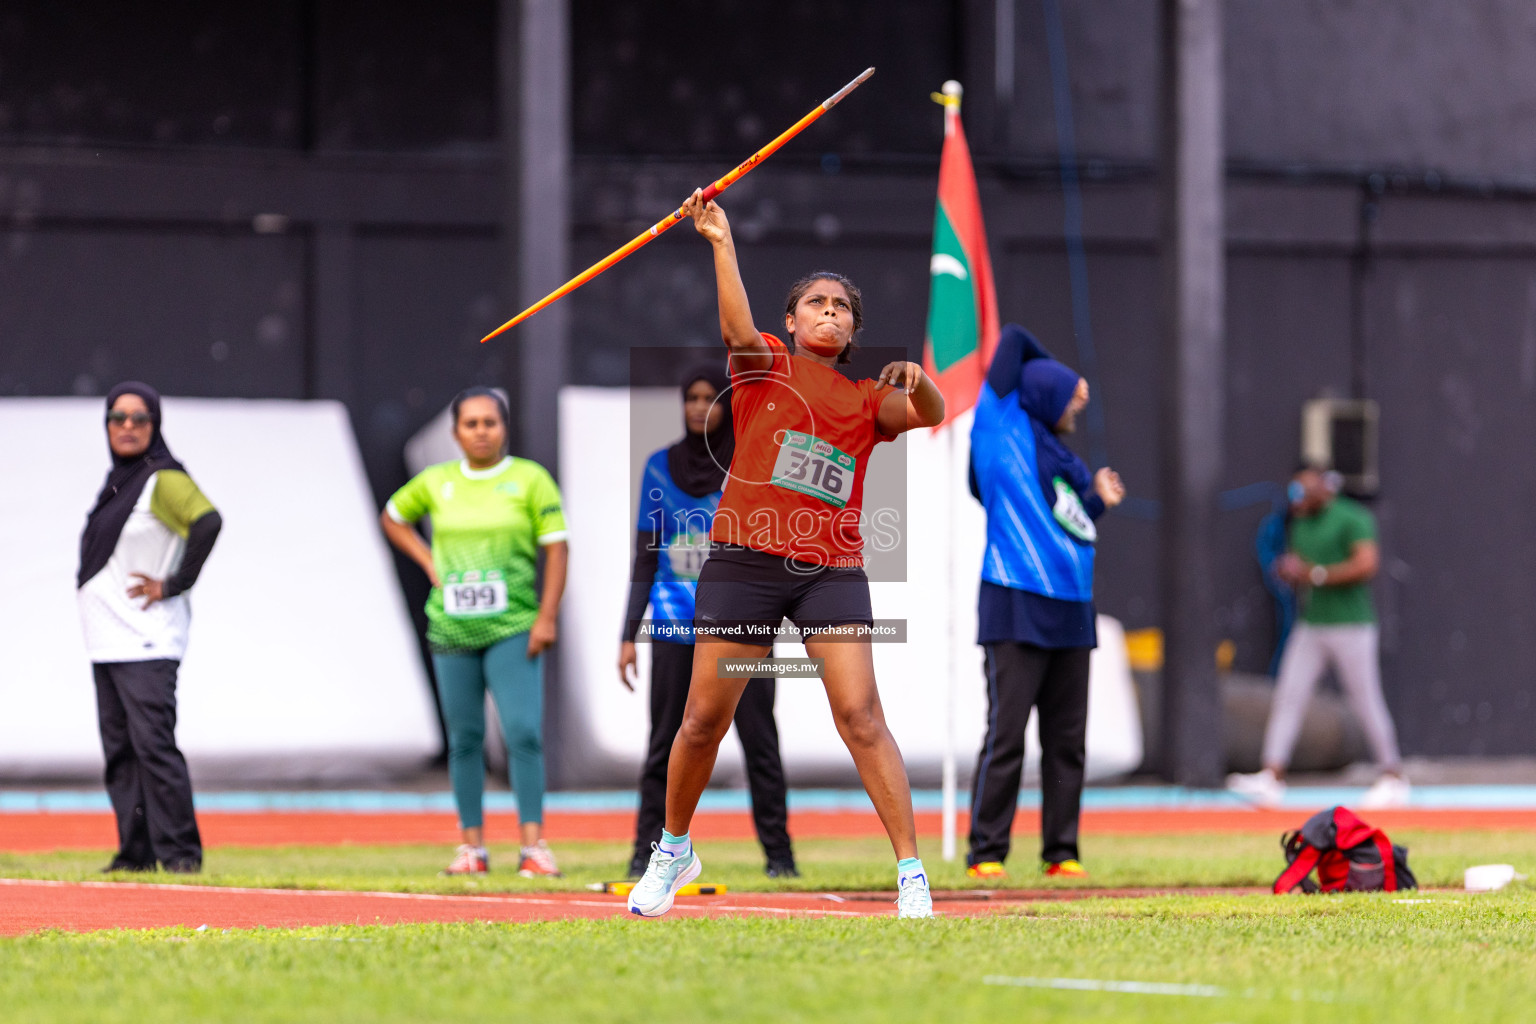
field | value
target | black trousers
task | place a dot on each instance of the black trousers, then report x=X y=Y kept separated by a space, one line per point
x=671 y=669
x=1020 y=677
x=146 y=775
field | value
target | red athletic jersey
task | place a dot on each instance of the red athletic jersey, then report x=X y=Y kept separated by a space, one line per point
x=804 y=433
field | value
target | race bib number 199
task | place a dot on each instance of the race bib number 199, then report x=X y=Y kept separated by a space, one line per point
x=811 y=466
x=473 y=594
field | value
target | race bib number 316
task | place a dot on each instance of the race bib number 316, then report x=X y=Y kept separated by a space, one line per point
x=473 y=594
x=812 y=466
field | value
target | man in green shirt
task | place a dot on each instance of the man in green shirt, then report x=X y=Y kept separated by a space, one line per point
x=1331 y=559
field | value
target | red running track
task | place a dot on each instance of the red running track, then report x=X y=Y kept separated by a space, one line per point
x=28 y=906
x=31 y=833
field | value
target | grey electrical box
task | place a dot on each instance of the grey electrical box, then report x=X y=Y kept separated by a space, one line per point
x=1341 y=434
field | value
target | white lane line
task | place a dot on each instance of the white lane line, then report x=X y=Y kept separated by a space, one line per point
x=1163 y=988
x=1143 y=988
x=617 y=904
x=788 y=911
x=240 y=890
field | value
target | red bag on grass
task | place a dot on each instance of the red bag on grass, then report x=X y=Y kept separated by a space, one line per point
x=1348 y=855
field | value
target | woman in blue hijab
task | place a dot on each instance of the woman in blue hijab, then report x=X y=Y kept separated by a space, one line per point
x=1035 y=609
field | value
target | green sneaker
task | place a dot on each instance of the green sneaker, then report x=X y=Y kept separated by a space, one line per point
x=666 y=873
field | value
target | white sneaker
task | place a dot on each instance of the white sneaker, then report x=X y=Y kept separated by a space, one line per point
x=1262 y=787
x=914 y=899
x=1388 y=792
x=665 y=874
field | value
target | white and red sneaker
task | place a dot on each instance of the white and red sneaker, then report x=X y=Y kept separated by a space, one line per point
x=469 y=860
x=538 y=862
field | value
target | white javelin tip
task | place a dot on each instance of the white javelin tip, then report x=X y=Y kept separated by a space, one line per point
x=832 y=101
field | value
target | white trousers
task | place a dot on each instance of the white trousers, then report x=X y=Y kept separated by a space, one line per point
x=1353 y=651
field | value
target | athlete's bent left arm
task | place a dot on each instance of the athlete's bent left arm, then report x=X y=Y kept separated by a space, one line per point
x=922 y=405
x=546 y=626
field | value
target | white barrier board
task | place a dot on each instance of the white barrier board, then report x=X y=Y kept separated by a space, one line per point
x=606 y=434
x=302 y=664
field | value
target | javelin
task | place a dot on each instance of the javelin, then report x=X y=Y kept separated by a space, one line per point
x=676 y=215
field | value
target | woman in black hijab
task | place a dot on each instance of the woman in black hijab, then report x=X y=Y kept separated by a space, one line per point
x=143 y=546
x=679 y=492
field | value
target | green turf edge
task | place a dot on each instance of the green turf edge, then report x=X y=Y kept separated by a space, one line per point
x=1356 y=958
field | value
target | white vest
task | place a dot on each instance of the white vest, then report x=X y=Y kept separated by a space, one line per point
x=118 y=627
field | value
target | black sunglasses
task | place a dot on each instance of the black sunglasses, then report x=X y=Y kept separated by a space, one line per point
x=117 y=418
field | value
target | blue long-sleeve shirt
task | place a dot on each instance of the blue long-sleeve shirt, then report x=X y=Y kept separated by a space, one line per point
x=1032 y=552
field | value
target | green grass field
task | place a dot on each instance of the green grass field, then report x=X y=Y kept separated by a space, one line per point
x=1352 y=958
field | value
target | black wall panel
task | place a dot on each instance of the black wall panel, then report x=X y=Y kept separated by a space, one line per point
x=193 y=312
x=1288 y=340
x=390 y=75
x=1034 y=289
x=422 y=305
x=401 y=75
x=1407 y=86
x=696 y=77
x=1452 y=346
x=170 y=73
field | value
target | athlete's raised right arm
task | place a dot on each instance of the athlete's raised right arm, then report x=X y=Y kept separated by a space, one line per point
x=748 y=350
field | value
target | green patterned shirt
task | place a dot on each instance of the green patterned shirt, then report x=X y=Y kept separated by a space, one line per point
x=487 y=527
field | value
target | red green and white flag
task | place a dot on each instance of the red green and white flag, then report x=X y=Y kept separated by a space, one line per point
x=962 y=301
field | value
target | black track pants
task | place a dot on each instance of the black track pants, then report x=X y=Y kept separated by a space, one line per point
x=671 y=670
x=1020 y=677
x=146 y=775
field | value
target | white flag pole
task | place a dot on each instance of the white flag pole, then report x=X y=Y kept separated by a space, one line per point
x=950 y=98
x=950 y=782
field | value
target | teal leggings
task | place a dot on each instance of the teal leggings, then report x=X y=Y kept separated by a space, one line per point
x=516 y=683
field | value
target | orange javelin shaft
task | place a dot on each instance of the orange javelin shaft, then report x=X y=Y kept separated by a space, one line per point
x=675 y=216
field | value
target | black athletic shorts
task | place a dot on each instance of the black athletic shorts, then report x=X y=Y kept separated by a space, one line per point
x=744 y=595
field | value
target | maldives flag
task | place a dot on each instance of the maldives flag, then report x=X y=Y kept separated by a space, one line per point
x=962 y=302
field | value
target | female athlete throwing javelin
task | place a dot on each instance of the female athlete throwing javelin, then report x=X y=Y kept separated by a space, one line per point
x=786 y=543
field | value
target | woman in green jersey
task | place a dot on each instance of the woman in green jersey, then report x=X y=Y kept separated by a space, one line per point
x=491 y=515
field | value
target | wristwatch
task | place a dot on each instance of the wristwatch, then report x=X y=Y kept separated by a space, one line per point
x=1318 y=575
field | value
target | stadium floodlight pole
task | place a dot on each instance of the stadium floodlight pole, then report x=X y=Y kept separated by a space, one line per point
x=675 y=216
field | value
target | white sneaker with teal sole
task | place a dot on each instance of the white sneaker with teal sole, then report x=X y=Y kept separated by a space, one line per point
x=652 y=896
x=914 y=899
